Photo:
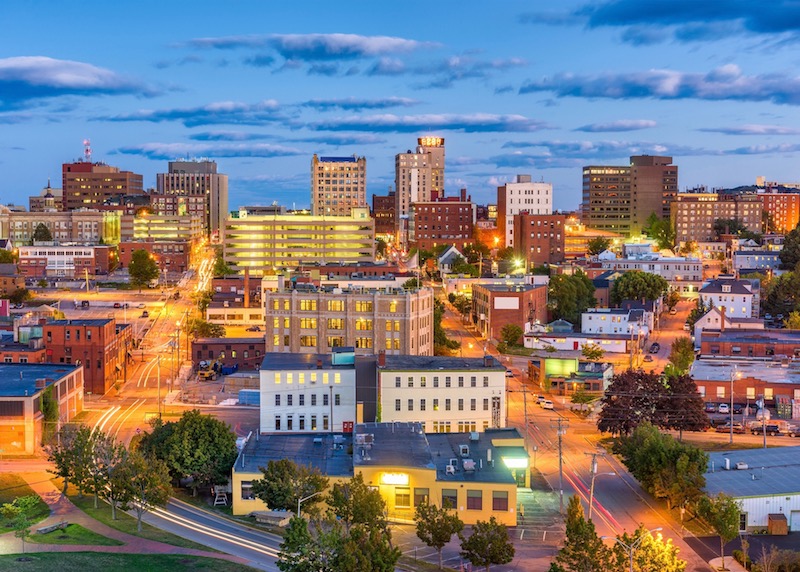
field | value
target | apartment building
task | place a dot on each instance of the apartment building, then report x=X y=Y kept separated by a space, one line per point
x=683 y=274
x=418 y=174
x=338 y=185
x=88 y=185
x=315 y=320
x=193 y=188
x=71 y=261
x=442 y=221
x=540 y=239
x=783 y=211
x=383 y=211
x=518 y=196
x=89 y=226
x=495 y=305
x=736 y=296
x=693 y=214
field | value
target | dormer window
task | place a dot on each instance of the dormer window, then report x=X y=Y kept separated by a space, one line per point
x=726 y=287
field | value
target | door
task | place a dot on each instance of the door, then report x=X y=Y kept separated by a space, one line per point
x=794 y=521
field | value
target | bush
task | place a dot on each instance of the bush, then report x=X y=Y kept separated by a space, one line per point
x=738 y=555
x=502 y=347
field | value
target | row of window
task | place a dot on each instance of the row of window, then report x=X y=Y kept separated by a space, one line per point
x=423 y=404
x=474 y=498
x=310 y=305
x=463 y=426
x=310 y=341
x=301 y=400
x=423 y=381
x=289 y=377
x=288 y=423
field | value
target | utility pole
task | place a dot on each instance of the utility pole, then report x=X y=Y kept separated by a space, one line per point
x=593 y=470
x=561 y=425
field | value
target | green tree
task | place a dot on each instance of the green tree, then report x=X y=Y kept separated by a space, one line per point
x=42 y=283
x=20 y=295
x=148 y=484
x=285 y=482
x=570 y=295
x=303 y=552
x=20 y=514
x=583 y=550
x=50 y=415
x=632 y=398
x=652 y=554
x=681 y=356
x=436 y=526
x=442 y=345
x=660 y=230
x=460 y=266
x=728 y=226
x=411 y=284
x=597 y=245
x=488 y=544
x=380 y=248
x=221 y=268
x=511 y=333
x=637 y=285
x=722 y=514
x=6 y=256
x=672 y=298
x=792 y=321
x=199 y=328
x=142 y=268
x=689 y=248
x=106 y=456
x=354 y=503
x=782 y=295
x=581 y=397
x=367 y=548
x=474 y=252
x=202 y=299
x=592 y=352
x=42 y=233
x=790 y=254
x=697 y=312
x=685 y=406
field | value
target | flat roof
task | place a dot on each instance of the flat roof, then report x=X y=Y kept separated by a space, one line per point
x=314 y=449
x=778 y=477
x=281 y=361
x=80 y=322
x=720 y=369
x=434 y=363
x=757 y=335
x=509 y=287
x=19 y=379
x=254 y=339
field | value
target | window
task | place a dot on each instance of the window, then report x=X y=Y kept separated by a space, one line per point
x=447 y=381
x=247 y=490
x=500 y=500
x=402 y=497
x=301 y=423
x=289 y=400
x=277 y=400
x=768 y=393
x=308 y=341
x=485 y=381
x=447 y=404
x=324 y=422
x=449 y=498
x=336 y=306
x=473 y=381
x=313 y=400
x=301 y=400
x=325 y=399
x=411 y=405
x=308 y=323
x=335 y=323
x=364 y=342
x=397 y=381
x=742 y=521
x=393 y=306
x=363 y=306
x=397 y=405
x=335 y=341
x=289 y=419
x=721 y=392
x=474 y=500
x=313 y=422
x=410 y=382
x=421 y=496
x=460 y=381
x=423 y=381
x=461 y=405
x=435 y=381
x=337 y=399
x=289 y=378
x=277 y=423
x=276 y=339
x=472 y=405
x=436 y=405
x=365 y=325
x=422 y=405
x=486 y=404
x=308 y=305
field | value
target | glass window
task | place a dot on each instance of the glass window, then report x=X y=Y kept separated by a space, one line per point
x=461 y=405
x=324 y=422
x=313 y=422
x=402 y=497
x=450 y=498
x=474 y=500
x=397 y=405
x=500 y=500
x=277 y=400
x=277 y=423
x=447 y=404
x=325 y=399
x=410 y=382
x=472 y=405
x=337 y=399
x=301 y=423
x=436 y=405
x=411 y=405
x=473 y=381
x=423 y=381
x=301 y=400
x=289 y=400
x=422 y=405
x=247 y=490
x=397 y=381
x=486 y=404
x=421 y=496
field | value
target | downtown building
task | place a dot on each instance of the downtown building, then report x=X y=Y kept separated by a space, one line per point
x=693 y=214
x=418 y=174
x=88 y=185
x=518 y=196
x=338 y=185
x=540 y=239
x=442 y=221
x=83 y=226
x=783 y=211
x=621 y=198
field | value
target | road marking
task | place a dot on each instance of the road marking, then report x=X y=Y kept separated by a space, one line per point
x=120 y=422
x=104 y=418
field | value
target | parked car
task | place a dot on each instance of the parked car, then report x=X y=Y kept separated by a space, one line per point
x=540 y=399
x=772 y=430
x=547 y=404
x=117 y=305
x=141 y=306
x=723 y=408
x=767 y=317
x=145 y=314
x=793 y=431
x=673 y=311
x=726 y=428
x=509 y=373
x=711 y=408
x=738 y=408
x=686 y=327
x=648 y=358
x=254 y=329
x=655 y=348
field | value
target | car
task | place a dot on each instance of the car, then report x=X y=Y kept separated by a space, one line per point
x=738 y=408
x=253 y=329
x=769 y=429
x=779 y=317
x=655 y=348
x=141 y=306
x=145 y=314
x=726 y=428
x=686 y=327
x=673 y=311
x=540 y=399
x=723 y=408
x=711 y=407
x=547 y=404
x=768 y=317
x=648 y=358
x=793 y=431
x=706 y=266
x=117 y=305
x=509 y=373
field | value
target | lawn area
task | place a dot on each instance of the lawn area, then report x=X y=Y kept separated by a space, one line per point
x=125 y=522
x=74 y=534
x=85 y=561
x=204 y=502
x=13 y=486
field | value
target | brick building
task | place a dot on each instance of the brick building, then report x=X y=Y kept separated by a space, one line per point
x=783 y=210
x=101 y=345
x=52 y=260
x=383 y=211
x=246 y=353
x=170 y=255
x=516 y=197
x=10 y=279
x=442 y=221
x=540 y=239
x=88 y=185
x=338 y=185
x=751 y=343
x=693 y=214
x=495 y=305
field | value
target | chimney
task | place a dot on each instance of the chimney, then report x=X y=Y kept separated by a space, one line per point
x=722 y=319
x=463 y=195
x=487 y=360
x=319 y=364
x=246 y=286
x=382 y=358
x=281 y=282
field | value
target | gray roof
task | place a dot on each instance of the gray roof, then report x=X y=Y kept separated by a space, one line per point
x=758 y=336
x=779 y=476
x=314 y=449
x=719 y=369
x=19 y=379
x=715 y=287
x=8 y=269
x=409 y=362
x=282 y=361
x=509 y=287
x=86 y=322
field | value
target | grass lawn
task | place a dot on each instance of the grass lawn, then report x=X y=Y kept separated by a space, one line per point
x=83 y=561
x=13 y=486
x=205 y=503
x=125 y=522
x=74 y=534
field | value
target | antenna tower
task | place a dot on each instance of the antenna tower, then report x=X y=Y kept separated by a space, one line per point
x=87 y=151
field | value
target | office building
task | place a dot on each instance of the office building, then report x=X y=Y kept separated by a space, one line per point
x=442 y=221
x=540 y=239
x=78 y=226
x=417 y=175
x=521 y=195
x=495 y=305
x=88 y=185
x=693 y=214
x=156 y=227
x=384 y=214
x=64 y=261
x=193 y=188
x=338 y=185
x=49 y=199
x=621 y=198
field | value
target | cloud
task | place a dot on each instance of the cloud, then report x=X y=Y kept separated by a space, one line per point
x=317 y=47
x=445 y=72
x=473 y=123
x=228 y=136
x=220 y=112
x=342 y=140
x=171 y=151
x=260 y=60
x=619 y=125
x=355 y=104
x=764 y=149
x=753 y=129
x=726 y=83
x=599 y=150
x=27 y=78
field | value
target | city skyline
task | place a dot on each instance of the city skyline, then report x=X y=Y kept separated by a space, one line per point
x=260 y=87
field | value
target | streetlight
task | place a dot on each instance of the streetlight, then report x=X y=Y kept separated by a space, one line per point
x=304 y=499
x=633 y=545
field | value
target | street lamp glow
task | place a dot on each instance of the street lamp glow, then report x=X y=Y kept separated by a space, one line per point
x=630 y=548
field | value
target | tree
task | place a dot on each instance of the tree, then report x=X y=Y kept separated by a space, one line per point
x=199 y=328
x=42 y=233
x=722 y=514
x=20 y=513
x=782 y=294
x=71 y=456
x=685 y=406
x=652 y=554
x=148 y=484
x=367 y=548
x=728 y=226
x=356 y=503
x=681 y=356
x=460 y=266
x=303 y=552
x=50 y=414
x=202 y=299
x=106 y=456
x=198 y=447
x=672 y=298
x=792 y=322
x=221 y=268
x=583 y=550
x=592 y=352
x=511 y=333
x=697 y=312
x=570 y=295
x=632 y=398
x=597 y=245
x=436 y=526
x=20 y=295
x=790 y=254
x=380 y=248
x=689 y=248
x=285 y=482
x=660 y=230
x=581 y=397
x=474 y=252
x=488 y=544
x=6 y=256
x=638 y=285
x=142 y=269
x=411 y=284
x=441 y=343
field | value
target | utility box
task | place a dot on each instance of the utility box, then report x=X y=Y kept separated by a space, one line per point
x=777 y=525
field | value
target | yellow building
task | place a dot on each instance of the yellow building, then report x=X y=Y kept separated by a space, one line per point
x=476 y=473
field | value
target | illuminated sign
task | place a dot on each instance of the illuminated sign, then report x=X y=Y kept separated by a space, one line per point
x=431 y=141
x=394 y=479
x=515 y=463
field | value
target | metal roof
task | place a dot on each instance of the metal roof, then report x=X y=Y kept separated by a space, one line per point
x=19 y=379
x=769 y=472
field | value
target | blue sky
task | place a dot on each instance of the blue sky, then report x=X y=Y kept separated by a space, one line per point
x=514 y=87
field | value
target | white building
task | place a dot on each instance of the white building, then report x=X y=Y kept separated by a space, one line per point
x=716 y=319
x=308 y=393
x=735 y=295
x=756 y=260
x=684 y=274
x=615 y=321
x=444 y=394
x=521 y=195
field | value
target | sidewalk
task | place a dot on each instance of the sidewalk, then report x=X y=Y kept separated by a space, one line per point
x=61 y=509
x=730 y=564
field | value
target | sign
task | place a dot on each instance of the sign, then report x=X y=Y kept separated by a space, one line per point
x=431 y=141
x=394 y=478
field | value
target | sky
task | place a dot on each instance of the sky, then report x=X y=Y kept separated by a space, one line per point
x=514 y=87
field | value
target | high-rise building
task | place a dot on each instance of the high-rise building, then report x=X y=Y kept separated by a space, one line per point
x=88 y=185
x=442 y=221
x=338 y=185
x=694 y=214
x=384 y=214
x=521 y=195
x=622 y=198
x=193 y=188
x=783 y=211
x=417 y=174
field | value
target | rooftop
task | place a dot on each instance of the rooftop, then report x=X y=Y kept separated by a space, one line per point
x=439 y=362
x=771 y=472
x=257 y=338
x=715 y=287
x=509 y=287
x=283 y=361
x=19 y=379
x=350 y=159
x=86 y=322
x=754 y=336
x=314 y=449
x=720 y=369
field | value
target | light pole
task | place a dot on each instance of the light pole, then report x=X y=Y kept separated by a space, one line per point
x=734 y=374
x=632 y=546
x=593 y=470
x=304 y=499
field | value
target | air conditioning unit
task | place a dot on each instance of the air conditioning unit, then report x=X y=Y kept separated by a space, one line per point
x=741 y=466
